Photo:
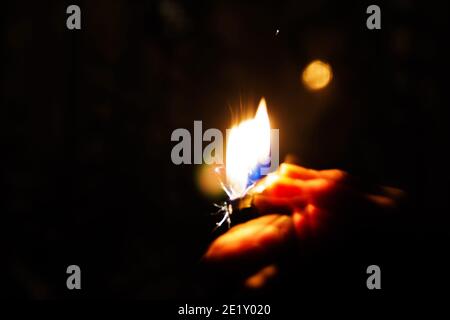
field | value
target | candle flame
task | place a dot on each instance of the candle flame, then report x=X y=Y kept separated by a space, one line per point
x=248 y=147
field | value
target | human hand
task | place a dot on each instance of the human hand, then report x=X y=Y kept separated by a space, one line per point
x=318 y=202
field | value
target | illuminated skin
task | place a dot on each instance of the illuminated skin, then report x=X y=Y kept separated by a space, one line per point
x=314 y=198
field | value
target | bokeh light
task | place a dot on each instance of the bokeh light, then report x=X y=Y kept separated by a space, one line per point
x=317 y=75
x=208 y=182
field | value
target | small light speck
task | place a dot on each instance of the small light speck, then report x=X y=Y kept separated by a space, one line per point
x=277 y=32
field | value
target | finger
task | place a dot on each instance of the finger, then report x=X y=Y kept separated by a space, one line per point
x=261 y=278
x=300 y=222
x=319 y=192
x=334 y=174
x=282 y=205
x=382 y=201
x=282 y=186
x=296 y=172
x=309 y=222
x=251 y=242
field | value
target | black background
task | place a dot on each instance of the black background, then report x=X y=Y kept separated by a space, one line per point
x=87 y=116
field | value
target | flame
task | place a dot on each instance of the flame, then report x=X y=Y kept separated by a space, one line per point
x=248 y=146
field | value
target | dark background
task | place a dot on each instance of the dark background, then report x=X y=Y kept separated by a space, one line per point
x=87 y=115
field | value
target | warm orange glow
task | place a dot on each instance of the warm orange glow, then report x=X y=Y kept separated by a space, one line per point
x=248 y=145
x=317 y=75
x=206 y=181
